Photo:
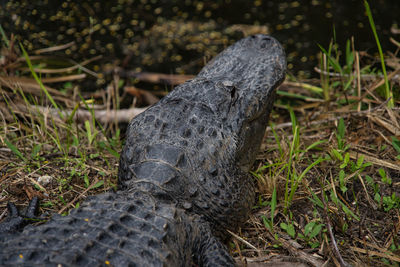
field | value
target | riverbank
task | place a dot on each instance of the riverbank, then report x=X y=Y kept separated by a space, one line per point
x=328 y=171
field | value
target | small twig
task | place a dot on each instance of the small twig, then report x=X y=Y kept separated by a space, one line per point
x=81 y=115
x=77 y=197
x=303 y=256
x=363 y=76
x=64 y=78
x=242 y=240
x=54 y=48
x=366 y=193
x=332 y=236
x=152 y=77
x=387 y=254
x=3 y=214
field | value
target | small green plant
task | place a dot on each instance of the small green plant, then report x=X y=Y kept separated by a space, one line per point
x=330 y=62
x=384 y=177
x=391 y=202
x=289 y=228
x=269 y=223
x=396 y=146
x=311 y=230
x=340 y=135
x=337 y=154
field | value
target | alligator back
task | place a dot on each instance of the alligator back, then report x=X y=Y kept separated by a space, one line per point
x=108 y=229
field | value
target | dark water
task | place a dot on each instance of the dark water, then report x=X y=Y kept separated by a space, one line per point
x=178 y=36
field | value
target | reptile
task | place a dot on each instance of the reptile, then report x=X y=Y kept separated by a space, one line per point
x=183 y=175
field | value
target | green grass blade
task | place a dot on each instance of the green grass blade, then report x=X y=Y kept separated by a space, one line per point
x=315 y=144
x=37 y=79
x=273 y=205
x=300 y=178
x=302 y=97
x=15 y=150
x=388 y=92
x=331 y=60
x=278 y=142
x=3 y=34
x=396 y=144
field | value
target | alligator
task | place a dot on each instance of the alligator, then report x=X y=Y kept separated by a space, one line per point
x=183 y=176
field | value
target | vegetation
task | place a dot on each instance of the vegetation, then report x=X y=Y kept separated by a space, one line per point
x=329 y=179
x=328 y=171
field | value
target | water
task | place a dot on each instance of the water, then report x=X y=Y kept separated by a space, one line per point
x=173 y=36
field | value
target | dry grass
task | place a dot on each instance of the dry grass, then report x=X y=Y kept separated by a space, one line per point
x=364 y=225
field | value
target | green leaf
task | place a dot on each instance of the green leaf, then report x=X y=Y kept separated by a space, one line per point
x=341 y=128
x=367 y=164
x=94 y=155
x=382 y=173
x=289 y=228
x=86 y=180
x=334 y=198
x=315 y=144
x=345 y=160
x=335 y=64
x=315 y=245
x=15 y=150
x=337 y=155
x=377 y=197
x=5 y=39
x=35 y=151
x=348 y=211
x=360 y=161
x=267 y=223
x=98 y=184
x=316 y=230
x=113 y=152
x=396 y=144
x=369 y=179
x=316 y=200
x=385 y=179
x=273 y=205
x=309 y=226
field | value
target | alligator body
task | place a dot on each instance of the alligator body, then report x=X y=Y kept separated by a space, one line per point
x=183 y=174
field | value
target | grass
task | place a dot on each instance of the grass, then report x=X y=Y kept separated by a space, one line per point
x=388 y=92
x=328 y=171
x=46 y=152
x=329 y=176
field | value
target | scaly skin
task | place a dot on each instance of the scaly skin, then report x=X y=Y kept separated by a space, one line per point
x=183 y=176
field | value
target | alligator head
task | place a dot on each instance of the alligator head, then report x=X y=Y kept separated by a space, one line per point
x=248 y=73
